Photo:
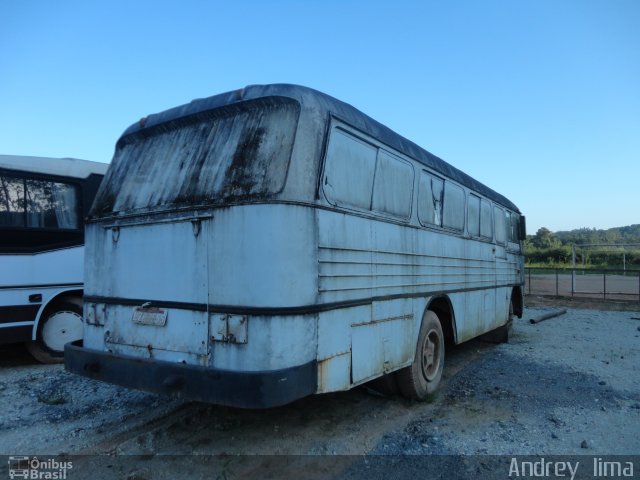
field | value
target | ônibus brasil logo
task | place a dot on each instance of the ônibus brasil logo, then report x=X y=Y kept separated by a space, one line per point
x=32 y=468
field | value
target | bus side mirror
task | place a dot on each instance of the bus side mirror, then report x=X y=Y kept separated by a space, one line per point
x=522 y=228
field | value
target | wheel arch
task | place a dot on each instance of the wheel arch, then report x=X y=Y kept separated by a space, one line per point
x=517 y=299
x=72 y=295
x=443 y=308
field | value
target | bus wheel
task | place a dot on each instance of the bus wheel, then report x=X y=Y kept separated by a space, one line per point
x=60 y=323
x=420 y=380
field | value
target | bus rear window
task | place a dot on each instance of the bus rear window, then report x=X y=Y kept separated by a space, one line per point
x=229 y=154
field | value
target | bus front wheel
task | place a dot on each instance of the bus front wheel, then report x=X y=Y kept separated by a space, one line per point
x=60 y=323
x=420 y=380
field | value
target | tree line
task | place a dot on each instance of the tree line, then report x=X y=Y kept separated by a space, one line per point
x=547 y=248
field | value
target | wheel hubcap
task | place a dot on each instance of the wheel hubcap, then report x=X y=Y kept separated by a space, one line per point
x=60 y=328
x=431 y=355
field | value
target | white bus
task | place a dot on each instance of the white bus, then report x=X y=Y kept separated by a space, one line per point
x=43 y=202
x=262 y=245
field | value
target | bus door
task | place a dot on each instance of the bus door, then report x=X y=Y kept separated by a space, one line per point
x=501 y=265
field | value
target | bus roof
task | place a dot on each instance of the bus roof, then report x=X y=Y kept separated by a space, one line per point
x=65 y=167
x=326 y=106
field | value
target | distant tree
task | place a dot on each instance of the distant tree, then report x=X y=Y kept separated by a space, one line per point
x=548 y=248
x=544 y=238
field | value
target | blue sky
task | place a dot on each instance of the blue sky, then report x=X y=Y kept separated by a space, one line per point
x=538 y=99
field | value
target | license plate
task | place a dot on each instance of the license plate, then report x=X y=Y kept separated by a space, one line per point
x=150 y=316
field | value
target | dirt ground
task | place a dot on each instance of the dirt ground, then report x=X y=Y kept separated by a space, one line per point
x=565 y=386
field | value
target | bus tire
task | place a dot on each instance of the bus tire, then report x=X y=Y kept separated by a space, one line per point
x=421 y=379
x=508 y=327
x=60 y=323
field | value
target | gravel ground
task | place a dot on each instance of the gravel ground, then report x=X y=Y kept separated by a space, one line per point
x=566 y=386
x=566 y=389
x=49 y=411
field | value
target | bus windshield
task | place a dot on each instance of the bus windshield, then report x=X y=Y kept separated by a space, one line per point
x=234 y=153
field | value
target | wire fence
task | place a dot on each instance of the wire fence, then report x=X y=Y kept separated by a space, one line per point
x=584 y=283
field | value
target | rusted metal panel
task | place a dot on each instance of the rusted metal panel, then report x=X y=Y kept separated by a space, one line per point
x=475 y=312
x=228 y=328
x=184 y=331
x=274 y=342
x=334 y=373
x=334 y=329
x=381 y=346
x=175 y=357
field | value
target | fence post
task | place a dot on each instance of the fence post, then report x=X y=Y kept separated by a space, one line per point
x=573 y=268
x=530 y=281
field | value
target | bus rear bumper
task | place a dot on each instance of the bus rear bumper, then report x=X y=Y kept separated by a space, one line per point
x=261 y=389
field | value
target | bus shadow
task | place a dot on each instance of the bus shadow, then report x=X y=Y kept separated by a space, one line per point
x=15 y=355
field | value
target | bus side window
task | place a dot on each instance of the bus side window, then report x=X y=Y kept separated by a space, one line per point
x=430 y=193
x=501 y=228
x=48 y=204
x=11 y=201
x=486 y=225
x=513 y=227
x=51 y=205
x=393 y=187
x=453 y=215
x=349 y=171
x=473 y=215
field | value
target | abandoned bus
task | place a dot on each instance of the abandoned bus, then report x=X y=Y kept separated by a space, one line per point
x=43 y=202
x=262 y=245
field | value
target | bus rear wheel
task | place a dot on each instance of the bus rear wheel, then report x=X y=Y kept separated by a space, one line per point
x=421 y=379
x=60 y=323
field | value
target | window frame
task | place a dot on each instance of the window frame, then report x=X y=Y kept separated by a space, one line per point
x=444 y=207
x=25 y=176
x=470 y=196
x=488 y=238
x=380 y=148
x=396 y=158
x=422 y=222
x=502 y=216
x=329 y=196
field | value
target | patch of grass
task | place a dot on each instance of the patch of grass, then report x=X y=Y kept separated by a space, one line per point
x=56 y=398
